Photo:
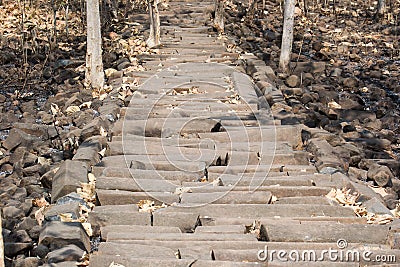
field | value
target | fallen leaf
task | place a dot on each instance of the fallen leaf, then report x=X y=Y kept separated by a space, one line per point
x=88 y=228
x=103 y=132
x=103 y=152
x=334 y=105
x=39 y=215
x=91 y=177
x=85 y=105
x=40 y=202
x=54 y=109
x=72 y=109
x=116 y=265
x=66 y=217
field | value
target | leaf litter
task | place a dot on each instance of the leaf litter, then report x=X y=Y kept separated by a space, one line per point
x=347 y=198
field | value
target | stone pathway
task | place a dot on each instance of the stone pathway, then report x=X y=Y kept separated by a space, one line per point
x=226 y=177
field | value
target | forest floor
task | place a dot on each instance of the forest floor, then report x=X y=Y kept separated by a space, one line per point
x=343 y=59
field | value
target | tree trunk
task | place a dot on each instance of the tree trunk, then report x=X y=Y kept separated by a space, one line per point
x=154 y=38
x=287 y=36
x=94 y=61
x=219 y=16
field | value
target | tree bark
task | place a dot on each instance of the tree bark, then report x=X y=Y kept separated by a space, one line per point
x=94 y=61
x=219 y=23
x=154 y=38
x=287 y=36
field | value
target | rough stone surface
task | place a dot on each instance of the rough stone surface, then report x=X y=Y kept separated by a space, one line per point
x=60 y=234
x=68 y=178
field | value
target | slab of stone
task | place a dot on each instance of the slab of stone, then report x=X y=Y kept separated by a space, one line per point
x=311 y=232
x=185 y=221
x=261 y=210
x=117 y=215
x=106 y=261
x=112 y=236
x=52 y=213
x=60 y=234
x=136 y=185
x=232 y=197
x=147 y=174
x=222 y=229
x=118 y=197
x=68 y=178
x=67 y=253
x=137 y=229
x=238 y=180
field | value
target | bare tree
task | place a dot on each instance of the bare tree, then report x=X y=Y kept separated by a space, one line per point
x=154 y=38
x=94 y=61
x=287 y=35
x=219 y=16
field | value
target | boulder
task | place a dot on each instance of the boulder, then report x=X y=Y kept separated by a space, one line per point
x=57 y=235
x=382 y=175
x=68 y=178
x=68 y=253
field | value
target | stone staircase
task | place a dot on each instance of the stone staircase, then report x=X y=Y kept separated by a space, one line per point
x=218 y=177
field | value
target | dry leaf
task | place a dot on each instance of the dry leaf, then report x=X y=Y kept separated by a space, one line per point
x=334 y=105
x=40 y=202
x=379 y=190
x=87 y=191
x=103 y=132
x=54 y=109
x=85 y=105
x=91 y=177
x=148 y=206
x=44 y=161
x=72 y=109
x=103 y=152
x=116 y=265
x=88 y=228
x=66 y=217
x=181 y=190
x=39 y=215
x=343 y=197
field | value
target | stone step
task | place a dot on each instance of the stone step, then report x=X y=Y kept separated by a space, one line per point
x=242 y=180
x=186 y=221
x=112 y=236
x=137 y=229
x=322 y=200
x=117 y=215
x=260 y=170
x=124 y=246
x=118 y=197
x=177 y=145
x=113 y=172
x=290 y=134
x=222 y=229
x=129 y=261
x=165 y=127
x=255 y=211
x=159 y=111
x=209 y=221
x=232 y=197
x=137 y=185
x=278 y=191
x=290 y=231
x=142 y=162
